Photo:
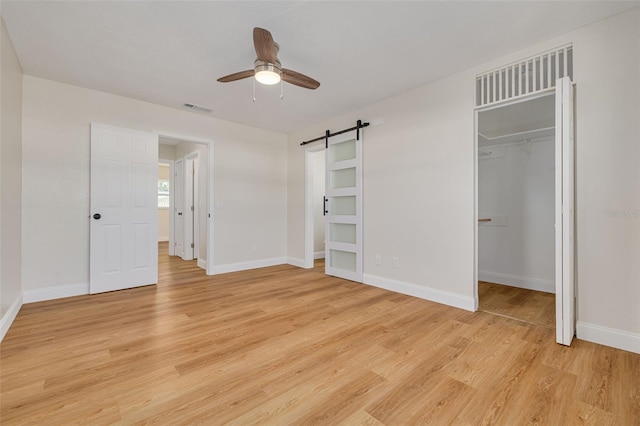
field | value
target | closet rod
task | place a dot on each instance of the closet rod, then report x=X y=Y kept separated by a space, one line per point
x=359 y=126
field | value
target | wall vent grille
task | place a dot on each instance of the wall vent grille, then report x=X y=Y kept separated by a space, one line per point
x=198 y=108
x=526 y=77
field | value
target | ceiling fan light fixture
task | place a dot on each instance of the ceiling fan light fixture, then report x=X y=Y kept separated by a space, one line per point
x=267 y=73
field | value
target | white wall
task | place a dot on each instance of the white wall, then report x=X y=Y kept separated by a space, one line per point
x=163 y=213
x=318 y=204
x=10 y=182
x=519 y=188
x=417 y=190
x=249 y=174
x=419 y=183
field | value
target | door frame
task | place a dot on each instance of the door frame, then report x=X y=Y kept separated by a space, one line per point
x=210 y=189
x=558 y=285
x=308 y=205
x=192 y=197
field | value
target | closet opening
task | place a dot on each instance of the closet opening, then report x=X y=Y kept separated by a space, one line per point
x=516 y=194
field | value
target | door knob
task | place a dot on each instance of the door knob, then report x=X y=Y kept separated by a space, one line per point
x=97 y=216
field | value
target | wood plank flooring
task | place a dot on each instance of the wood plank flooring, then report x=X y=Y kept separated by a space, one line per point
x=528 y=305
x=284 y=345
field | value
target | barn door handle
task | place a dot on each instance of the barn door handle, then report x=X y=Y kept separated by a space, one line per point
x=97 y=216
x=324 y=206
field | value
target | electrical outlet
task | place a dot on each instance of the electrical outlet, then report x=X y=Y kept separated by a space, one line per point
x=378 y=260
x=254 y=247
x=395 y=262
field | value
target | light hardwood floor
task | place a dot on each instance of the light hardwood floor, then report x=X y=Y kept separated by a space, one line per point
x=283 y=345
x=532 y=306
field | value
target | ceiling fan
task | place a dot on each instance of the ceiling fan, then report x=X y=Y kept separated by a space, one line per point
x=267 y=69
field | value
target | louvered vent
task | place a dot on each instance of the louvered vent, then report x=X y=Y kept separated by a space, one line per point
x=198 y=108
x=526 y=77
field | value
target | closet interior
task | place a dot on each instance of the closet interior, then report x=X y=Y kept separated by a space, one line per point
x=516 y=195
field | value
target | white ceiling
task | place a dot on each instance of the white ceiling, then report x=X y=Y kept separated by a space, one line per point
x=171 y=53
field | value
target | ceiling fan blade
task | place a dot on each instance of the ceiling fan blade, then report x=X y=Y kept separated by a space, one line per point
x=265 y=46
x=299 y=79
x=236 y=76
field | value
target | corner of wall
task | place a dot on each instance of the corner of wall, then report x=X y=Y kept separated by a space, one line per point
x=11 y=79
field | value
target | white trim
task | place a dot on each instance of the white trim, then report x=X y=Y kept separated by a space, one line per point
x=528 y=283
x=202 y=264
x=434 y=295
x=296 y=262
x=476 y=249
x=57 y=292
x=163 y=239
x=9 y=316
x=251 y=264
x=619 y=339
x=318 y=255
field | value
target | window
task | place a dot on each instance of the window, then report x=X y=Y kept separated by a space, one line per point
x=163 y=194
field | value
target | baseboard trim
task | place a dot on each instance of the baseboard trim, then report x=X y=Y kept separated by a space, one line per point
x=50 y=293
x=619 y=339
x=318 y=255
x=422 y=292
x=163 y=239
x=243 y=266
x=9 y=316
x=293 y=261
x=202 y=264
x=517 y=281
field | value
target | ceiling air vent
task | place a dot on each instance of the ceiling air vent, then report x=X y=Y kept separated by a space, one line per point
x=198 y=108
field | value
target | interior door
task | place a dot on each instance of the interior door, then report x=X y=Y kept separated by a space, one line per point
x=178 y=227
x=564 y=183
x=124 y=208
x=189 y=208
x=343 y=189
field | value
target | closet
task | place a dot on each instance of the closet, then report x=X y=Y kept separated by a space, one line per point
x=516 y=209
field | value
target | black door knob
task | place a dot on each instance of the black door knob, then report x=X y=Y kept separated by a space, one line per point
x=97 y=216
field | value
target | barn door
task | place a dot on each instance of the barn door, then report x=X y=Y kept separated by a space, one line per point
x=565 y=284
x=343 y=206
x=124 y=208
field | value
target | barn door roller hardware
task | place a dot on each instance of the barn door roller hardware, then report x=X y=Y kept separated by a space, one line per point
x=328 y=134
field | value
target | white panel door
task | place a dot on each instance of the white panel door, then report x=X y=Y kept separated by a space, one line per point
x=124 y=208
x=343 y=224
x=189 y=207
x=178 y=208
x=565 y=284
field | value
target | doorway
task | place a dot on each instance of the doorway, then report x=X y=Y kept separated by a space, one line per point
x=317 y=165
x=532 y=129
x=314 y=205
x=516 y=203
x=191 y=198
